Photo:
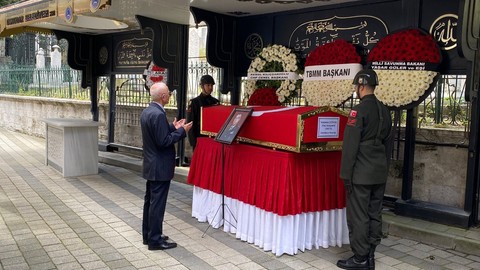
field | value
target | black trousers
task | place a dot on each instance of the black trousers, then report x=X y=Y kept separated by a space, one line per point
x=155 y=201
x=364 y=217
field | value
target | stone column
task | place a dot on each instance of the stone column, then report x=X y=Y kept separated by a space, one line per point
x=40 y=63
x=38 y=74
x=56 y=76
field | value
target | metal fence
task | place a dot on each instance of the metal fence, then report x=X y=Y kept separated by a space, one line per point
x=196 y=69
x=130 y=90
x=445 y=107
x=46 y=82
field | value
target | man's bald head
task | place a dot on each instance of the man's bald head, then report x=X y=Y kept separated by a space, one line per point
x=158 y=92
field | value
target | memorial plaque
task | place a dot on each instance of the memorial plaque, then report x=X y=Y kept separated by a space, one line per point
x=363 y=30
x=134 y=52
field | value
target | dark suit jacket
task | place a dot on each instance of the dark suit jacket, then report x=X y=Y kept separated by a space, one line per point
x=159 y=138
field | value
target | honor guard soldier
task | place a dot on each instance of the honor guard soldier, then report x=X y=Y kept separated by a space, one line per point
x=364 y=171
x=195 y=104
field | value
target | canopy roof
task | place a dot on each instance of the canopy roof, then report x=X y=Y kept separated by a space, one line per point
x=104 y=16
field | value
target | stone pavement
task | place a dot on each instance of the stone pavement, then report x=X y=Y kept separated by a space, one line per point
x=94 y=222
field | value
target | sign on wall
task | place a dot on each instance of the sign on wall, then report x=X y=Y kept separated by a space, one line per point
x=444 y=31
x=362 y=30
x=134 y=52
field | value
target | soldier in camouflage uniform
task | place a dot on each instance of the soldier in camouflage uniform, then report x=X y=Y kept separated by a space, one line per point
x=194 y=107
x=364 y=170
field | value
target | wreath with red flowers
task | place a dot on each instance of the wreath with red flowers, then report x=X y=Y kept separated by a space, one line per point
x=329 y=71
x=336 y=52
x=153 y=74
x=264 y=97
x=276 y=66
x=405 y=62
x=406 y=45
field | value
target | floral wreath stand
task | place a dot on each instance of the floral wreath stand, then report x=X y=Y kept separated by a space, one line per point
x=153 y=74
x=273 y=72
x=329 y=72
x=406 y=63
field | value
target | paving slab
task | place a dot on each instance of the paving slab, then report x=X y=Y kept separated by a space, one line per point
x=51 y=222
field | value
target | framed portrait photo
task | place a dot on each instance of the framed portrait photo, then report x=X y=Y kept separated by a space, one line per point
x=232 y=126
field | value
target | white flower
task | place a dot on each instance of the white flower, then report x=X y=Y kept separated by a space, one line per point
x=288 y=61
x=401 y=87
x=249 y=87
x=327 y=92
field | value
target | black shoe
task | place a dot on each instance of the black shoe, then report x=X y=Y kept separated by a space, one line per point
x=163 y=238
x=353 y=263
x=162 y=245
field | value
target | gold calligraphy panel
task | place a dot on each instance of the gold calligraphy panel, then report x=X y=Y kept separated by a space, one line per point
x=362 y=30
x=444 y=31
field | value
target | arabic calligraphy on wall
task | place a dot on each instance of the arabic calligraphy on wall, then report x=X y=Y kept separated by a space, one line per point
x=444 y=31
x=253 y=45
x=135 y=52
x=363 y=30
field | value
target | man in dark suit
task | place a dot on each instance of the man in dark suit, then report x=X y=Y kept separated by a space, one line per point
x=159 y=138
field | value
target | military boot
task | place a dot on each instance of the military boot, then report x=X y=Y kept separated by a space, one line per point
x=353 y=263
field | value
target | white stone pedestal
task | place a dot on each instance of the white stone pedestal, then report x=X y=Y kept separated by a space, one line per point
x=72 y=146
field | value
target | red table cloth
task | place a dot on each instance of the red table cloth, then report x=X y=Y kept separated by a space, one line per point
x=284 y=183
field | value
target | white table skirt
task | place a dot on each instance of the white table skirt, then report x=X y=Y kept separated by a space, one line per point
x=279 y=234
